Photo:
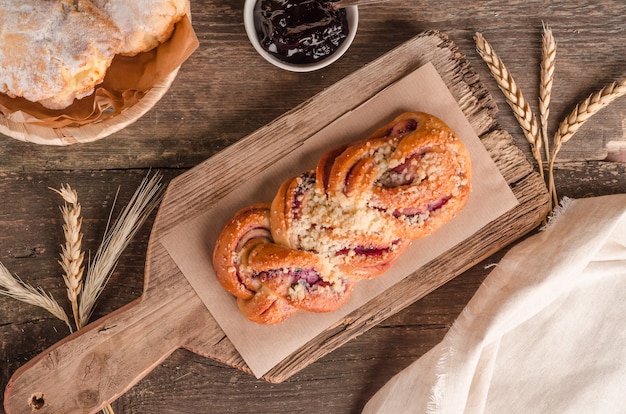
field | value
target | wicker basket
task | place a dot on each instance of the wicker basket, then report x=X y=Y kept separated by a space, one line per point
x=89 y=132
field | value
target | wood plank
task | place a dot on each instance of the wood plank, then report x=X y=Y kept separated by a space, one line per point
x=169 y=315
x=223 y=93
x=209 y=108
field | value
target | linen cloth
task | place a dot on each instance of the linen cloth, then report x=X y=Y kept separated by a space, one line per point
x=544 y=333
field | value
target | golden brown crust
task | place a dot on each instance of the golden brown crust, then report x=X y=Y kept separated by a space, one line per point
x=269 y=280
x=243 y=231
x=368 y=262
x=429 y=176
x=349 y=219
x=265 y=308
x=287 y=206
x=360 y=253
x=354 y=171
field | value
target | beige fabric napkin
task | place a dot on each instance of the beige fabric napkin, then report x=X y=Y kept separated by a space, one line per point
x=545 y=333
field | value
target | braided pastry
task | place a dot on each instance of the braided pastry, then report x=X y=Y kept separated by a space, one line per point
x=348 y=219
x=269 y=280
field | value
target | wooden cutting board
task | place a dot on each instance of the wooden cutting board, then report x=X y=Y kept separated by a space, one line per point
x=99 y=363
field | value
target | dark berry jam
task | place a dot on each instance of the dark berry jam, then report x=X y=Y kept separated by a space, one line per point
x=301 y=31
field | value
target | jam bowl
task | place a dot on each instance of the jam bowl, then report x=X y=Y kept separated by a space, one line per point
x=299 y=35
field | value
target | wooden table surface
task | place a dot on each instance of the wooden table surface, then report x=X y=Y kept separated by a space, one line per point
x=226 y=91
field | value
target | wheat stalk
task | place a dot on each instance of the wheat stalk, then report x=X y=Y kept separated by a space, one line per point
x=71 y=254
x=16 y=288
x=577 y=117
x=144 y=200
x=545 y=88
x=585 y=110
x=84 y=293
x=514 y=97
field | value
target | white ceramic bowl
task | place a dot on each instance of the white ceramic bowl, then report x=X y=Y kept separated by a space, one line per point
x=249 y=24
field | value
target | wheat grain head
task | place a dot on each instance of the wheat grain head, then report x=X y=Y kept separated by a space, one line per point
x=548 y=62
x=71 y=253
x=16 y=288
x=514 y=97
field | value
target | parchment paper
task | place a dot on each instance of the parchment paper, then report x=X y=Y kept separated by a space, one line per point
x=191 y=243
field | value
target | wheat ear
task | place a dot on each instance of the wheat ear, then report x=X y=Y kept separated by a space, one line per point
x=545 y=88
x=16 y=288
x=71 y=254
x=514 y=97
x=577 y=117
x=144 y=200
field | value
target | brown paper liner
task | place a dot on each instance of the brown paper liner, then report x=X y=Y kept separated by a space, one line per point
x=127 y=80
x=190 y=244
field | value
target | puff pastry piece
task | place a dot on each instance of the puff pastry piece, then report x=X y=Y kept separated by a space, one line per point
x=54 y=51
x=144 y=23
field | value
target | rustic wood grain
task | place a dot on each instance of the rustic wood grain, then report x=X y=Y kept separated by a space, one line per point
x=225 y=92
x=96 y=365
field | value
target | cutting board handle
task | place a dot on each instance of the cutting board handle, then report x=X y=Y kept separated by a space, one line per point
x=92 y=367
